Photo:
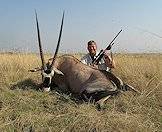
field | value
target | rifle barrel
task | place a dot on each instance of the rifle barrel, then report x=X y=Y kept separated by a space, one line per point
x=116 y=36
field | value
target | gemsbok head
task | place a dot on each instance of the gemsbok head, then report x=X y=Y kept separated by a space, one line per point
x=48 y=70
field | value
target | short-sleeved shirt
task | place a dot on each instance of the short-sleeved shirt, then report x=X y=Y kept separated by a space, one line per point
x=88 y=61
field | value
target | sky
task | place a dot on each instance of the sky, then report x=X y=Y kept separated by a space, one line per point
x=98 y=20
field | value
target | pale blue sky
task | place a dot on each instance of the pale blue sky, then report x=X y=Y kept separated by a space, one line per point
x=85 y=20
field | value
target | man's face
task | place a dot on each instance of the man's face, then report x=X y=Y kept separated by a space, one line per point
x=92 y=49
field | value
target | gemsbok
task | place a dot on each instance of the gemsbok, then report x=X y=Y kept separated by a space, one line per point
x=70 y=74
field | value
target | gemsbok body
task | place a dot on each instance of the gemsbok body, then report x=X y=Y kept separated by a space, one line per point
x=70 y=74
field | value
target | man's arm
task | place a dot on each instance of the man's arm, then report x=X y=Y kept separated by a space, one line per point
x=109 y=61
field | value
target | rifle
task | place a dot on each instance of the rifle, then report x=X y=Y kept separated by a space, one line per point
x=101 y=53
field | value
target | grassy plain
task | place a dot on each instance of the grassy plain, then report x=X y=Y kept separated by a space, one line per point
x=23 y=108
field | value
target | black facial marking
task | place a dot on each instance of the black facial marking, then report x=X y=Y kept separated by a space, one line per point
x=48 y=71
x=46 y=82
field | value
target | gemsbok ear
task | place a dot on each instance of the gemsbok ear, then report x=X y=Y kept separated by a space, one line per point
x=57 y=71
x=35 y=69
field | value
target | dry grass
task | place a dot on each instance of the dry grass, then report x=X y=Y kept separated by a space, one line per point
x=23 y=108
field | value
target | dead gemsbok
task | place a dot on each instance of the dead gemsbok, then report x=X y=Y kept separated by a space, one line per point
x=70 y=74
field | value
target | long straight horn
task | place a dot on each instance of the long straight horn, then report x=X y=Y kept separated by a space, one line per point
x=39 y=41
x=58 y=43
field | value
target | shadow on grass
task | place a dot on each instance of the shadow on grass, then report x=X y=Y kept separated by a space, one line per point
x=63 y=96
x=26 y=85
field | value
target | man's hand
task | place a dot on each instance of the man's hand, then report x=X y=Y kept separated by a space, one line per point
x=109 y=59
x=107 y=55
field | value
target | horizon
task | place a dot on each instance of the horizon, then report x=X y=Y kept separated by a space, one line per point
x=91 y=20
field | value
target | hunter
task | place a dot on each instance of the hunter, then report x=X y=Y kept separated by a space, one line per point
x=106 y=63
